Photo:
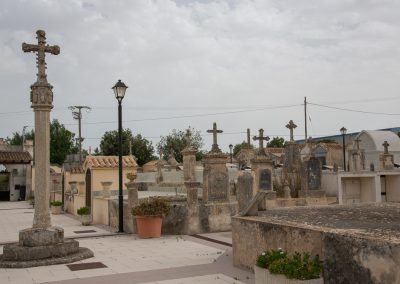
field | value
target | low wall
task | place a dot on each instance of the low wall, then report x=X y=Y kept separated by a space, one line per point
x=347 y=258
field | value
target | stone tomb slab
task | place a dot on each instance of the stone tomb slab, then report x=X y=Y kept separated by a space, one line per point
x=364 y=237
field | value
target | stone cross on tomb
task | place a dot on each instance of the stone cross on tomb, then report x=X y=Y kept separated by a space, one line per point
x=386 y=147
x=188 y=138
x=291 y=126
x=261 y=140
x=214 y=131
x=41 y=48
x=357 y=141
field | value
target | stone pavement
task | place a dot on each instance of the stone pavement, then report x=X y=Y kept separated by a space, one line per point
x=125 y=258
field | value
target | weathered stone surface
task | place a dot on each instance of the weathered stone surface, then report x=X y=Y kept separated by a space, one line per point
x=106 y=188
x=244 y=190
x=133 y=195
x=192 y=192
x=189 y=164
x=261 y=167
x=358 y=243
x=39 y=237
x=82 y=253
x=215 y=178
x=16 y=252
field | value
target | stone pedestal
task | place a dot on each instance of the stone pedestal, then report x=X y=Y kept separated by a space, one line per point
x=189 y=164
x=132 y=188
x=386 y=162
x=215 y=178
x=192 y=190
x=106 y=188
x=357 y=162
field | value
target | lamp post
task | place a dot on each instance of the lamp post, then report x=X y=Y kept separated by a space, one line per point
x=343 y=130
x=230 y=149
x=119 y=92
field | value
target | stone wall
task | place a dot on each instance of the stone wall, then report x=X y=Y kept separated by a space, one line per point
x=347 y=258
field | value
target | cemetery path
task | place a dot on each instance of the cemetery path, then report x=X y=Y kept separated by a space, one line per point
x=124 y=258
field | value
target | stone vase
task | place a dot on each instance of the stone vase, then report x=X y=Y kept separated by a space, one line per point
x=86 y=220
x=263 y=276
x=56 y=209
x=148 y=226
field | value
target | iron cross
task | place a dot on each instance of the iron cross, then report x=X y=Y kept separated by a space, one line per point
x=386 y=147
x=41 y=48
x=248 y=137
x=214 y=131
x=291 y=126
x=261 y=139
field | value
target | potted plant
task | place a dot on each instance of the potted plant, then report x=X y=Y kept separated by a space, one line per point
x=275 y=266
x=149 y=215
x=84 y=213
x=56 y=207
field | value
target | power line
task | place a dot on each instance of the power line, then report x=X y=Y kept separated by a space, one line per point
x=354 y=110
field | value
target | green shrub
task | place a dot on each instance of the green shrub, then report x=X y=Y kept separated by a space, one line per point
x=298 y=266
x=151 y=207
x=83 y=210
x=56 y=203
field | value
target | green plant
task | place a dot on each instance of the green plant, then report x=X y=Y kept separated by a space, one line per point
x=298 y=266
x=85 y=210
x=56 y=203
x=151 y=207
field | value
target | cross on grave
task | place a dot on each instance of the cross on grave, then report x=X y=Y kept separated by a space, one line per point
x=291 y=126
x=386 y=147
x=41 y=48
x=261 y=139
x=357 y=141
x=214 y=131
x=188 y=138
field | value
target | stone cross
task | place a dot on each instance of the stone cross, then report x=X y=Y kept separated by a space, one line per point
x=41 y=48
x=386 y=147
x=291 y=126
x=261 y=139
x=214 y=131
x=188 y=138
x=358 y=140
x=248 y=137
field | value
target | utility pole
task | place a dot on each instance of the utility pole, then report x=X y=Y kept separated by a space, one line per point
x=305 y=120
x=77 y=114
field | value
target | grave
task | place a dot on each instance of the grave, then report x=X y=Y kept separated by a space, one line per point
x=386 y=160
x=43 y=244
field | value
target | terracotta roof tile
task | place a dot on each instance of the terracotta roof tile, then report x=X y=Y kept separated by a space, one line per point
x=109 y=162
x=9 y=157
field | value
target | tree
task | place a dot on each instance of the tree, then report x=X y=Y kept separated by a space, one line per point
x=61 y=142
x=277 y=142
x=238 y=147
x=16 y=139
x=176 y=141
x=142 y=148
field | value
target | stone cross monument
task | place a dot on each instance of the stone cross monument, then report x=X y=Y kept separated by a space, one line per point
x=42 y=103
x=291 y=126
x=386 y=147
x=386 y=159
x=261 y=140
x=42 y=244
x=214 y=131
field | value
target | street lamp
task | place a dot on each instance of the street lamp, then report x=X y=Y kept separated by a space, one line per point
x=119 y=91
x=343 y=130
x=230 y=148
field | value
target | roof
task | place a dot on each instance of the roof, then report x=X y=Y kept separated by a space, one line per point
x=379 y=137
x=12 y=157
x=331 y=146
x=109 y=162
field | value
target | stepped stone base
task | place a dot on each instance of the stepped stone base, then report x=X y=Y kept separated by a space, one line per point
x=81 y=254
x=38 y=246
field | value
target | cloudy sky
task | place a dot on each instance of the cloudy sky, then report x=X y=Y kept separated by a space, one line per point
x=243 y=64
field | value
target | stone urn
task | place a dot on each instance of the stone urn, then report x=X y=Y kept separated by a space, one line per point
x=131 y=176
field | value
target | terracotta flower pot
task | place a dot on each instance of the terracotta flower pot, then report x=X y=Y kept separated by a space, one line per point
x=148 y=227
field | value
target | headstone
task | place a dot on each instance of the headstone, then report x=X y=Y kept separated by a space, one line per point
x=42 y=241
x=215 y=174
x=261 y=166
x=244 y=190
x=311 y=179
x=386 y=160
